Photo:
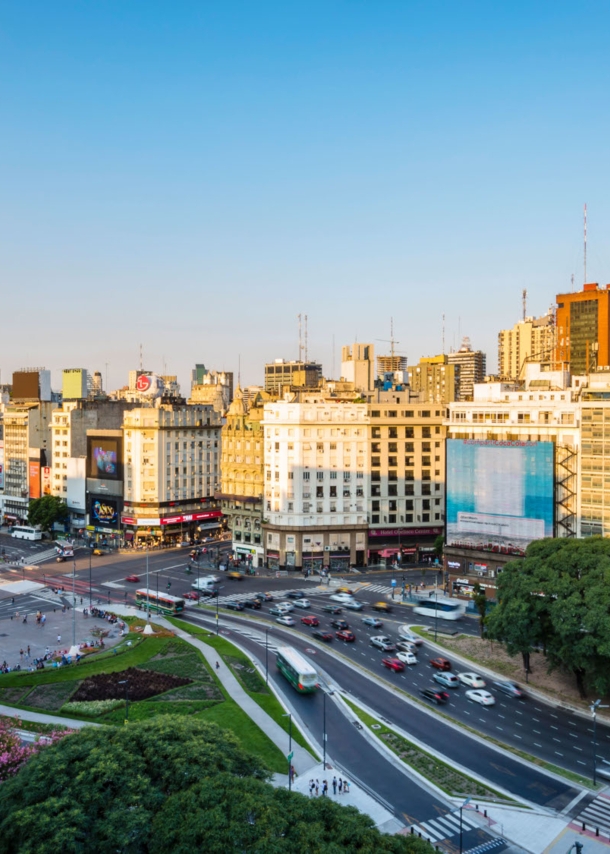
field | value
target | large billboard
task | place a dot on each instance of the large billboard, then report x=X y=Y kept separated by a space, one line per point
x=104 y=457
x=34 y=467
x=499 y=494
x=104 y=512
x=1 y=465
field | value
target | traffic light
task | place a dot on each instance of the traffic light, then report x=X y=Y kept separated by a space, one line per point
x=169 y=584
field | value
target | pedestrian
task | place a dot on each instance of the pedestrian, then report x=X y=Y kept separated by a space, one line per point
x=28 y=650
x=334 y=785
x=317 y=787
x=217 y=666
x=21 y=653
x=58 y=638
x=340 y=785
x=292 y=773
x=325 y=788
x=346 y=787
x=43 y=619
x=25 y=618
x=311 y=787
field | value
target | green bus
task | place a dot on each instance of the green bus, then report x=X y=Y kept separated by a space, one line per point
x=162 y=603
x=297 y=671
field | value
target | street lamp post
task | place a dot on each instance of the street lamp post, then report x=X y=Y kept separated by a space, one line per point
x=289 y=716
x=594 y=707
x=74 y=604
x=324 y=728
x=267 y=656
x=125 y=682
x=90 y=584
x=147 y=589
x=465 y=804
x=435 y=610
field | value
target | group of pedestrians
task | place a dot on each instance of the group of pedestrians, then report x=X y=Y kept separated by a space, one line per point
x=340 y=786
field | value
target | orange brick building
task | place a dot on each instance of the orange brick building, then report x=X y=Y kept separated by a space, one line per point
x=583 y=329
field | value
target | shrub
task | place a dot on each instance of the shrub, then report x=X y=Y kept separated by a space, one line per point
x=92 y=708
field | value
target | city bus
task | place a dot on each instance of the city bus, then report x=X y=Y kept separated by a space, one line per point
x=441 y=607
x=297 y=671
x=162 y=603
x=23 y=532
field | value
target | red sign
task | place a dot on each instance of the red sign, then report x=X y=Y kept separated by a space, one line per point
x=34 y=479
x=404 y=532
x=127 y=520
x=144 y=382
x=191 y=517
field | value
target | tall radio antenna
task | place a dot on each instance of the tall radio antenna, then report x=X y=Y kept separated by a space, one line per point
x=300 y=340
x=524 y=298
x=585 y=244
x=306 y=356
x=443 y=334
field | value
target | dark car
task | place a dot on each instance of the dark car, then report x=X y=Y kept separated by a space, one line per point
x=346 y=636
x=207 y=592
x=339 y=624
x=510 y=689
x=440 y=663
x=310 y=620
x=320 y=634
x=437 y=697
x=252 y=603
x=295 y=594
x=264 y=597
x=331 y=609
x=234 y=606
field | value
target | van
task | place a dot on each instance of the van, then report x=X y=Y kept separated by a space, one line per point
x=208 y=583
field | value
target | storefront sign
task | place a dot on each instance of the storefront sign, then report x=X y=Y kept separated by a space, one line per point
x=404 y=532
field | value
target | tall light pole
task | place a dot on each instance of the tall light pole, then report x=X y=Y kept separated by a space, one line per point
x=90 y=584
x=289 y=757
x=594 y=707
x=324 y=737
x=147 y=590
x=465 y=804
x=267 y=656
x=435 y=609
x=125 y=682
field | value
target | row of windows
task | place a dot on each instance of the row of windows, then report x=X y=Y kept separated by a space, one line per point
x=392 y=519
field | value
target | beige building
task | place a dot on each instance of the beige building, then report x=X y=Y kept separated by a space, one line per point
x=434 y=380
x=358 y=366
x=472 y=367
x=242 y=474
x=281 y=374
x=530 y=340
x=171 y=471
x=27 y=442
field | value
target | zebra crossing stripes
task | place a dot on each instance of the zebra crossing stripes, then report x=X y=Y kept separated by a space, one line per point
x=240 y=597
x=487 y=847
x=378 y=588
x=444 y=827
x=596 y=815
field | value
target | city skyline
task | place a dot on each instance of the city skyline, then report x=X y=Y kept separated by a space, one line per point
x=162 y=169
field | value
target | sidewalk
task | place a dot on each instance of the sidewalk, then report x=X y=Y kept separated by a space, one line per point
x=40 y=718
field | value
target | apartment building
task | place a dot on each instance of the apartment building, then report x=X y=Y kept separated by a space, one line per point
x=435 y=380
x=281 y=374
x=530 y=340
x=171 y=471
x=242 y=475
x=317 y=479
x=27 y=442
x=472 y=368
x=583 y=329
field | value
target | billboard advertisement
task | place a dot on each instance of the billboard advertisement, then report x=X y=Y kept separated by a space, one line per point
x=34 y=478
x=104 y=457
x=104 y=512
x=500 y=494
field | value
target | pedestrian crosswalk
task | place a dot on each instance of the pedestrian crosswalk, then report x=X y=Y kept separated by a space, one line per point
x=444 y=827
x=378 y=588
x=240 y=597
x=596 y=815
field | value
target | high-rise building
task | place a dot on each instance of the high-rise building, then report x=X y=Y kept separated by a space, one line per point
x=215 y=389
x=391 y=364
x=472 y=365
x=31 y=384
x=27 y=441
x=281 y=374
x=74 y=384
x=583 y=329
x=358 y=366
x=530 y=340
x=434 y=380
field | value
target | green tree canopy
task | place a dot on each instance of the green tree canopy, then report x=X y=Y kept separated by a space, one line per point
x=558 y=598
x=46 y=511
x=170 y=784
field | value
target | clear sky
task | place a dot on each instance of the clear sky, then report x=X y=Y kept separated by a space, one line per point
x=192 y=175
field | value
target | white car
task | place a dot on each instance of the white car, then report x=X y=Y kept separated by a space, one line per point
x=472 y=680
x=286 y=620
x=383 y=643
x=406 y=657
x=482 y=697
x=407 y=635
x=342 y=597
x=354 y=605
x=302 y=603
x=286 y=607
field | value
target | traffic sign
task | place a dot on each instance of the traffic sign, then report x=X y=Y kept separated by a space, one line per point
x=289 y=757
x=393 y=582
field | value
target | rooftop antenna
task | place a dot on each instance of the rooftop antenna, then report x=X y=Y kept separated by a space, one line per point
x=334 y=356
x=106 y=364
x=300 y=341
x=306 y=356
x=443 y=334
x=585 y=245
x=524 y=298
x=140 y=357
x=239 y=370
x=572 y=280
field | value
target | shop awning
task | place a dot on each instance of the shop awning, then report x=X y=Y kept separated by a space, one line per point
x=388 y=552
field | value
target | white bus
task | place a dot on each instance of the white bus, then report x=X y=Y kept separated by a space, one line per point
x=441 y=607
x=22 y=532
x=297 y=671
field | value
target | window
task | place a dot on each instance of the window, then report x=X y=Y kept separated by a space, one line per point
x=393 y=447
x=319 y=475
x=392 y=518
x=375 y=505
x=376 y=461
x=426 y=504
x=333 y=475
x=409 y=474
x=425 y=432
x=290 y=475
x=393 y=507
x=393 y=432
x=409 y=432
x=290 y=506
x=375 y=519
x=376 y=433
x=409 y=446
x=375 y=413
x=392 y=489
x=319 y=492
x=409 y=504
x=425 y=517
x=409 y=517
x=305 y=475
x=333 y=492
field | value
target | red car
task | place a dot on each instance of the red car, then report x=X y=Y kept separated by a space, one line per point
x=322 y=635
x=393 y=664
x=345 y=635
x=310 y=620
x=191 y=595
x=133 y=578
x=441 y=663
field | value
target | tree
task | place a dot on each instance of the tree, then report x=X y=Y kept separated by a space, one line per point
x=46 y=511
x=439 y=546
x=480 y=603
x=170 y=784
x=558 y=598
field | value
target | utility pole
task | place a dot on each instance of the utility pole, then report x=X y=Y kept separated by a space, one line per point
x=524 y=298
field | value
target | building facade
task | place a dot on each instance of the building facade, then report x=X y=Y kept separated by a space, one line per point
x=530 y=340
x=472 y=368
x=27 y=444
x=435 y=380
x=281 y=374
x=583 y=329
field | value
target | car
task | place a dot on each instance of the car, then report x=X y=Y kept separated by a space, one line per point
x=484 y=698
x=434 y=695
x=449 y=680
x=345 y=635
x=295 y=594
x=208 y=591
x=252 y=603
x=510 y=689
x=406 y=646
x=440 y=663
x=310 y=620
x=383 y=643
x=342 y=597
x=406 y=657
x=286 y=607
x=372 y=622
x=234 y=606
x=286 y=620
x=345 y=590
x=339 y=624
x=302 y=603
x=471 y=680
x=393 y=664
x=190 y=594
x=97 y=552
x=133 y=579
x=354 y=605
x=264 y=597
x=320 y=634
x=382 y=606
x=331 y=609
x=235 y=576
x=410 y=636
x=276 y=611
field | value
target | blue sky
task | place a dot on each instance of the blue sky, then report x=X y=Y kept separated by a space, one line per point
x=191 y=176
